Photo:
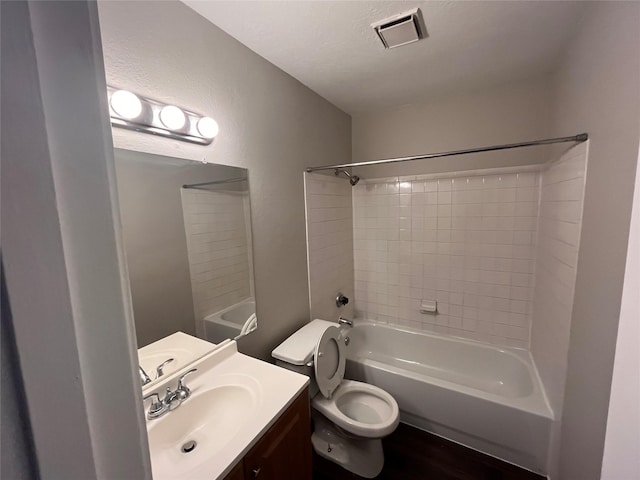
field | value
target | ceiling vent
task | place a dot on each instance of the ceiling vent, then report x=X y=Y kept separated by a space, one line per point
x=408 y=27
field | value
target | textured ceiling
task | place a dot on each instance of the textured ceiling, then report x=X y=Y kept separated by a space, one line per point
x=330 y=46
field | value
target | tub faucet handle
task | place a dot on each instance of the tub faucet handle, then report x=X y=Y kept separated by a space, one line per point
x=341 y=300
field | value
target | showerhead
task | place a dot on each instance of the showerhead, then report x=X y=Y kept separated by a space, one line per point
x=353 y=179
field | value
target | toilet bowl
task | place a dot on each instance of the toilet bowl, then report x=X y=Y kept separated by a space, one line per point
x=350 y=417
x=360 y=409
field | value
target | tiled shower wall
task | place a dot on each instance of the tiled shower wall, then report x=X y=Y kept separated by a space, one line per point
x=217 y=244
x=561 y=202
x=329 y=243
x=467 y=242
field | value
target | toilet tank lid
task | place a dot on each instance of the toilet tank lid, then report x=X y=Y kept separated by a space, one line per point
x=298 y=349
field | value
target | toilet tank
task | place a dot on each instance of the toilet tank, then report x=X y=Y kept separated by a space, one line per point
x=296 y=352
x=302 y=369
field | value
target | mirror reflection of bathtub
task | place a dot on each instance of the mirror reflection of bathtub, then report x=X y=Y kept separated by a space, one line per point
x=231 y=322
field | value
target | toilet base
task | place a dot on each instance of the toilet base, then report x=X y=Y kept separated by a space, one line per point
x=362 y=456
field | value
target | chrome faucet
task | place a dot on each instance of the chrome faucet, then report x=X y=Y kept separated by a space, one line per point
x=172 y=400
x=144 y=378
x=343 y=331
x=159 y=371
x=341 y=300
x=345 y=321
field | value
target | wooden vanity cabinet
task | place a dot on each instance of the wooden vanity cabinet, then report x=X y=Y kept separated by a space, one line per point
x=284 y=452
x=237 y=473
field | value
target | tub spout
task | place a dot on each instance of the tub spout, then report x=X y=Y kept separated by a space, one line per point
x=345 y=321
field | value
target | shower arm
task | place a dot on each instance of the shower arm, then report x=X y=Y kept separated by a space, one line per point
x=575 y=138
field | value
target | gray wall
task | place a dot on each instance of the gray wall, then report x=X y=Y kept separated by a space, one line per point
x=17 y=457
x=621 y=460
x=504 y=114
x=61 y=249
x=269 y=123
x=16 y=449
x=598 y=91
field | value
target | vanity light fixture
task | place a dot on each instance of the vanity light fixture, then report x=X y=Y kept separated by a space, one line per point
x=172 y=117
x=126 y=104
x=208 y=127
x=142 y=114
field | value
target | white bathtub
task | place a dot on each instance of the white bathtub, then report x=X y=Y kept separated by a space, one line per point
x=231 y=322
x=485 y=397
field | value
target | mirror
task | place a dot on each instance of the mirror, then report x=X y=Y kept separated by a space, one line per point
x=187 y=237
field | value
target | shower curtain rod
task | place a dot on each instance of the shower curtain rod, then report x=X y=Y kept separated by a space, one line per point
x=576 y=138
x=215 y=182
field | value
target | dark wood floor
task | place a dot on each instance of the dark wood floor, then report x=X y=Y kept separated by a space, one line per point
x=411 y=454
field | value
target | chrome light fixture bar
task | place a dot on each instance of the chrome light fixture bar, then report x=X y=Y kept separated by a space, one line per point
x=135 y=112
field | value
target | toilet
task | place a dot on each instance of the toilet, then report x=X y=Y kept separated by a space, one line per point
x=350 y=418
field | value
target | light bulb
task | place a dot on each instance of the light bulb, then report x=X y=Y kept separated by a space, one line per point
x=207 y=127
x=172 y=117
x=126 y=104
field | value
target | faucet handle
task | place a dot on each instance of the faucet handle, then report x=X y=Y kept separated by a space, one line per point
x=185 y=391
x=159 y=371
x=341 y=300
x=144 y=378
x=156 y=405
x=157 y=408
x=181 y=379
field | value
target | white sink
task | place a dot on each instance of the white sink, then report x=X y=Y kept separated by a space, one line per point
x=234 y=400
x=210 y=418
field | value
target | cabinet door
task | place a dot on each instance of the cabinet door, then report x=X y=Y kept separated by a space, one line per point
x=237 y=473
x=284 y=452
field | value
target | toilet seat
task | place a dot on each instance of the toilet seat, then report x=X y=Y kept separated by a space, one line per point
x=329 y=361
x=361 y=409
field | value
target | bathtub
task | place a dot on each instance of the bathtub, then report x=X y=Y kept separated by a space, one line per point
x=485 y=397
x=231 y=321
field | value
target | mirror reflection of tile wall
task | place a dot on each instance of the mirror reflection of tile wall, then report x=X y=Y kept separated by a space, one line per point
x=218 y=249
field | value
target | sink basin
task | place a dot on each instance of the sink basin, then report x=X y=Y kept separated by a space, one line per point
x=184 y=438
x=234 y=399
